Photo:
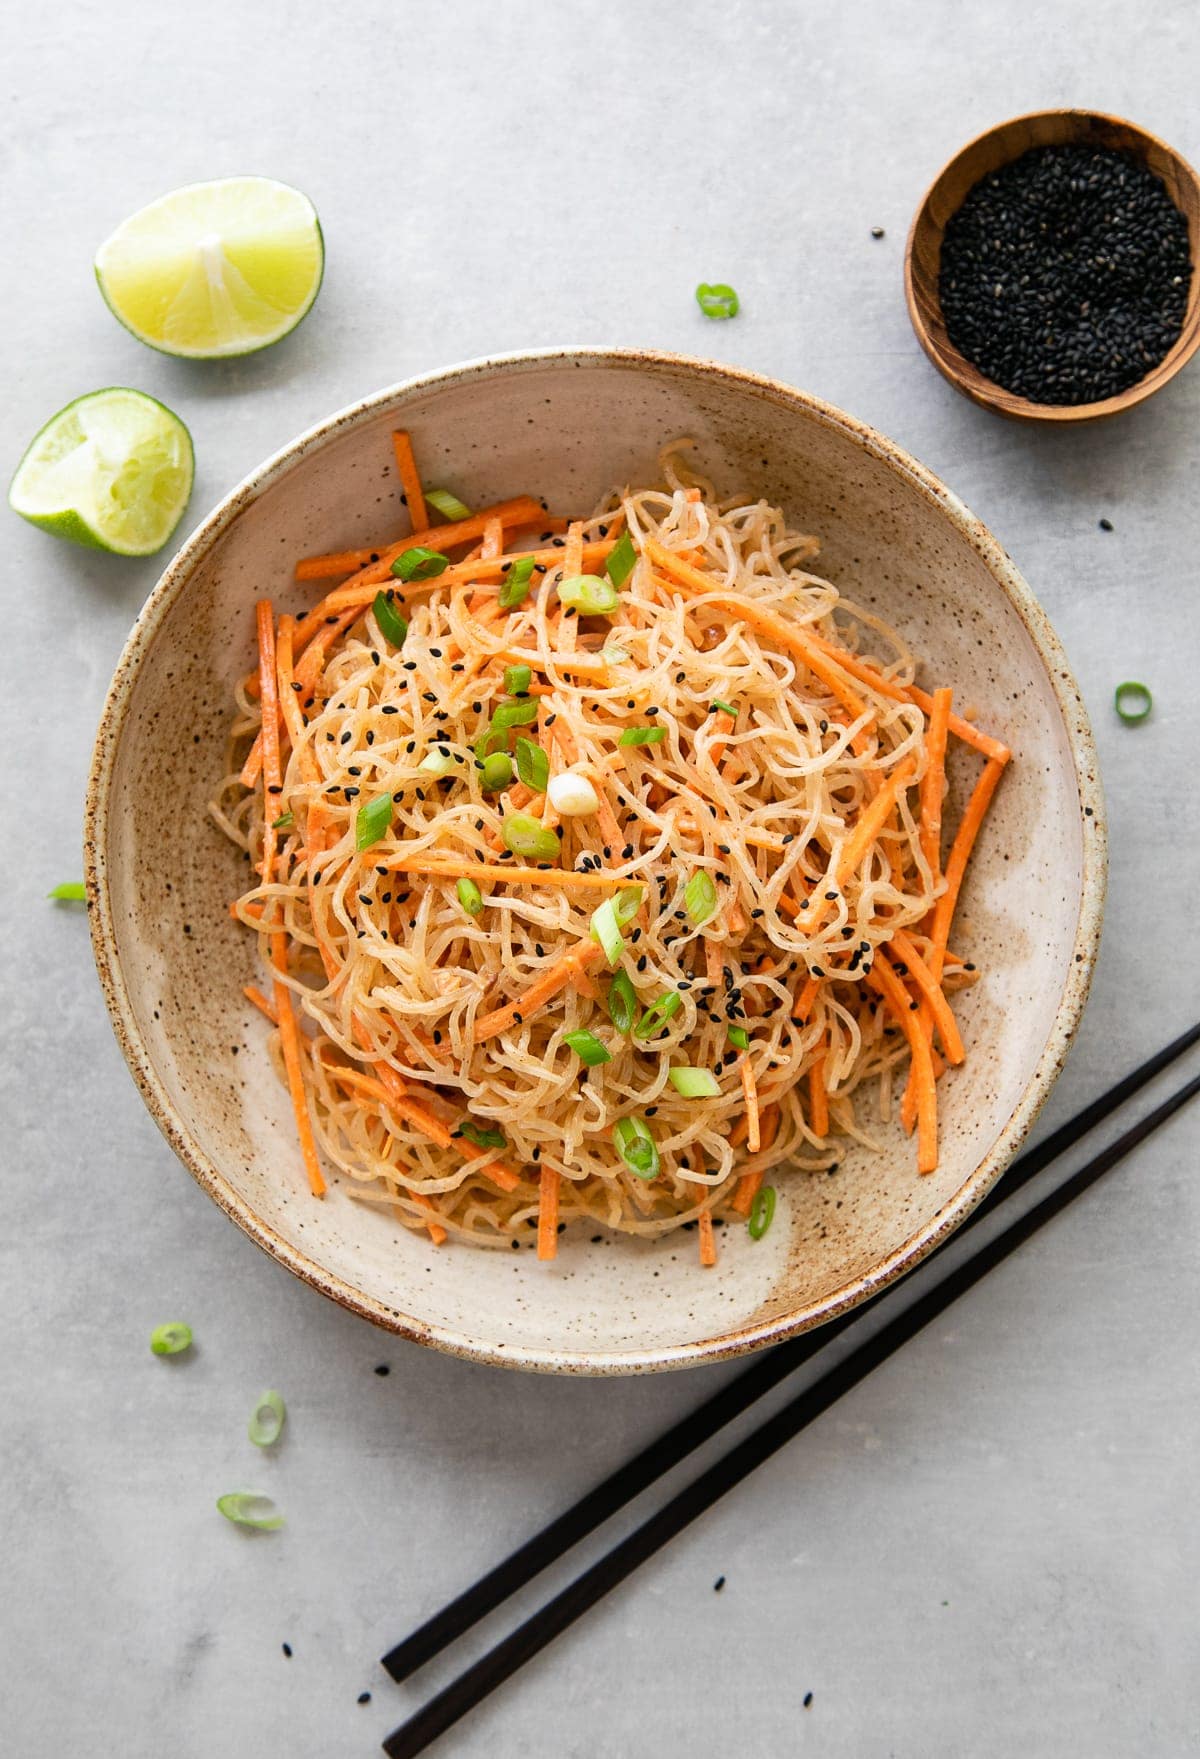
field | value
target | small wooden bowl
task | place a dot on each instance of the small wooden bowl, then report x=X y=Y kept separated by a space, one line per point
x=1000 y=146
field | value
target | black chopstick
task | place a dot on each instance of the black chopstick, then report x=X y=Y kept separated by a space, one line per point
x=675 y=1444
x=506 y=1657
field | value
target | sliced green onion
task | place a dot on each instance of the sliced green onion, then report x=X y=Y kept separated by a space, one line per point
x=470 y=897
x=515 y=585
x=622 y=1002
x=514 y=714
x=622 y=559
x=700 y=897
x=517 y=680
x=612 y=655
x=694 y=1083
x=439 y=762
x=170 y=1339
x=762 y=1212
x=373 y=821
x=587 y=1048
x=266 y=1420
x=481 y=1137
x=420 y=564
x=496 y=772
x=533 y=766
x=247 y=1509
x=611 y=917
x=738 y=1037
x=392 y=625
x=717 y=299
x=591 y=595
x=284 y=822
x=627 y=903
x=636 y=1147
x=716 y=706
x=70 y=892
x=528 y=837
x=1132 y=702
x=657 y=1015
x=642 y=736
x=448 y=505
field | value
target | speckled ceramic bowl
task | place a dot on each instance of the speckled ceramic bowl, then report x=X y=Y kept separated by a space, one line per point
x=565 y=425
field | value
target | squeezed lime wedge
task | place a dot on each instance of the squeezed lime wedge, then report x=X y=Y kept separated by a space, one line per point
x=112 y=470
x=215 y=269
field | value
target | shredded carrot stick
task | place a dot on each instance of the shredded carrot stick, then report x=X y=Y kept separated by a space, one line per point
x=750 y=1089
x=882 y=978
x=768 y=1127
x=551 y=981
x=931 y=994
x=587 y=663
x=909 y=693
x=934 y=780
x=585 y=985
x=818 y=1099
x=740 y=1131
x=493 y=540
x=483 y=873
x=410 y=478
x=261 y=1003
x=805 y=999
x=746 y=1190
x=289 y=1039
x=289 y=705
x=708 y=1243
x=422 y=1119
x=712 y=959
x=512 y=514
x=547 y=1228
x=268 y=689
x=362 y=589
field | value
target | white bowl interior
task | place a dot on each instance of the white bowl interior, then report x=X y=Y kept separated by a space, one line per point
x=565 y=428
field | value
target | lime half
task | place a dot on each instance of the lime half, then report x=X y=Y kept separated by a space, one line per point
x=113 y=470
x=215 y=268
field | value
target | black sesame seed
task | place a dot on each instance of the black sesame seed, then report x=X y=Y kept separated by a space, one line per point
x=1106 y=525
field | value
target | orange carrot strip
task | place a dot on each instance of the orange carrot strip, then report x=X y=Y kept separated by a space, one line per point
x=547 y=1228
x=261 y=1003
x=931 y=994
x=746 y=1190
x=362 y=589
x=410 y=478
x=708 y=1243
x=289 y=1038
x=909 y=693
x=882 y=978
x=769 y=1126
x=513 y=514
x=432 y=1126
x=542 y=990
x=933 y=781
x=818 y=1098
x=750 y=1089
x=805 y=999
x=269 y=692
x=484 y=874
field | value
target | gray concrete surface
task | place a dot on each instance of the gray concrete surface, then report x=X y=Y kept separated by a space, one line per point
x=991 y=1547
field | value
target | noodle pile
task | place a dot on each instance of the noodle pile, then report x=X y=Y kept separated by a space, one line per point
x=809 y=795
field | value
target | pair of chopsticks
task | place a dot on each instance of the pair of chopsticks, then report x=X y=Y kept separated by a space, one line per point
x=529 y=1560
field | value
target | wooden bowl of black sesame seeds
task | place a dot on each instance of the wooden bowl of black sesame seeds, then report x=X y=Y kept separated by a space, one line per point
x=1051 y=268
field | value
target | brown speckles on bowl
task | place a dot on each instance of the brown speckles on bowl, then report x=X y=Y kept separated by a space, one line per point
x=901 y=543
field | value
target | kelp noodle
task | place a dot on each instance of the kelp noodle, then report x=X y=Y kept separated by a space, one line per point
x=760 y=792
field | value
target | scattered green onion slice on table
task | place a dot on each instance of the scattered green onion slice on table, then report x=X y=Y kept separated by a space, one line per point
x=70 y=892
x=267 y=1419
x=589 y=594
x=373 y=821
x=392 y=625
x=657 y=1014
x=533 y=766
x=481 y=1137
x=622 y=1002
x=700 y=897
x=420 y=563
x=515 y=585
x=738 y=1037
x=694 y=1083
x=245 y=1508
x=170 y=1339
x=717 y=299
x=514 y=714
x=496 y=772
x=1132 y=702
x=642 y=736
x=587 y=1047
x=762 y=1212
x=448 y=505
x=717 y=707
x=528 y=837
x=439 y=762
x=470 y=897
x=622 y=559
x=517 y=680
x=284 y=822
x=636 y=1146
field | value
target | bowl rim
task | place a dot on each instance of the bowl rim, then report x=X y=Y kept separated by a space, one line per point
x=962 y=374
x=173 y=581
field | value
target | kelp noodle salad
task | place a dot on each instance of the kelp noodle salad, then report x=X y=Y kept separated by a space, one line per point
x=599 y=864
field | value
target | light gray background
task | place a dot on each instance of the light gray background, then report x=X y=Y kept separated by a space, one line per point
x=990 y=1548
